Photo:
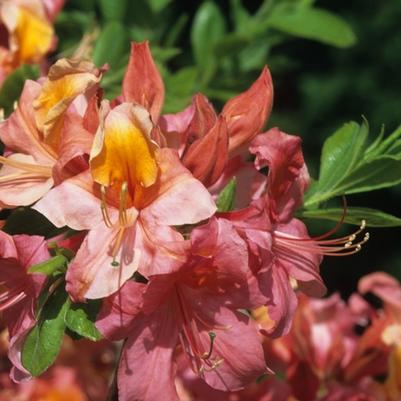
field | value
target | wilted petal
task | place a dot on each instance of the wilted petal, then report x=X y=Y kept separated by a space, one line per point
x=142 y=82
x=247 y=113
x=66 y=80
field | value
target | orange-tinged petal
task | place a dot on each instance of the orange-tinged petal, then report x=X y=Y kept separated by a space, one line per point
x=393 y=383
x=66 y=80
x=123 y=151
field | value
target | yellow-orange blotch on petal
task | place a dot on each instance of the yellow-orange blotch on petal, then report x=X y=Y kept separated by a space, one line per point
x=123 y=151
x=66 y=80
x=31 y=33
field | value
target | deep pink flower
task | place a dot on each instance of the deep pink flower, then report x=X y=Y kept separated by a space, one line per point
x=195 y=307
x=20 y=290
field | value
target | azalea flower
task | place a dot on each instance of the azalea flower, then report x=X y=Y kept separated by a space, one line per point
x=195 y=307
x=283 y=256
x=45 y=136
x=20 y=290
x=132 y=195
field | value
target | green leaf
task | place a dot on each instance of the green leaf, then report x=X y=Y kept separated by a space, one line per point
x=225 y=201
x=381 y=172
x=80 y=319
x=13 y=85
x=113 y=9
x=56 y=263
x=43 y=342
x=373 y=217
x=340 y=154
x=208 y=27
x=111 y=45
x=312 y=23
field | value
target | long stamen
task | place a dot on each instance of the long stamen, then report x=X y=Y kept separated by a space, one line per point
x=123 y=204
x=103 y=206
x=335 y=247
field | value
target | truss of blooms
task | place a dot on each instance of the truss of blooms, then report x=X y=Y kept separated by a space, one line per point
x=148 y=228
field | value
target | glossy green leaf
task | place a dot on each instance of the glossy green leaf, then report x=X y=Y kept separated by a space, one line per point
x=341 y=152
x=13 y=85
x=225 y=201
x=373 y=217
x=158 y=5
x=48 y=267
x=43 y=342
x=312 y=23
x=113 y=9
x=111 y=45
x=80 y=319
x=381 y=172
x=208 y=27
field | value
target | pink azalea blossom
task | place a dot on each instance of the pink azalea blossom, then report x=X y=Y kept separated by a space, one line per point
x=195 y=307
x=19 y=290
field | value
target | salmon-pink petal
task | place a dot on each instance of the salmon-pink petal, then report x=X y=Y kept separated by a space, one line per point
x=119 y=311
x=19 y=132
x=247 y=113
x=178 y=198
x=72 y=203
x=142 y=82
x=284 y=301
x=23 y=187
x=203 y=120
x=234 y=331
x=90 y=120
x=104 y=262
x=146 y=370
x=75 y=146
x=207 y=157
x=288 y=177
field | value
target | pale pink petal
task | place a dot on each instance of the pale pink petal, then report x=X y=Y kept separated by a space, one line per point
x=180 y=198
x=21 y=188
x=95 y=272
x=72 y=204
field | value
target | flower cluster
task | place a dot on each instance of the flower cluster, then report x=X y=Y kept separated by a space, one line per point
x=177 y=276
